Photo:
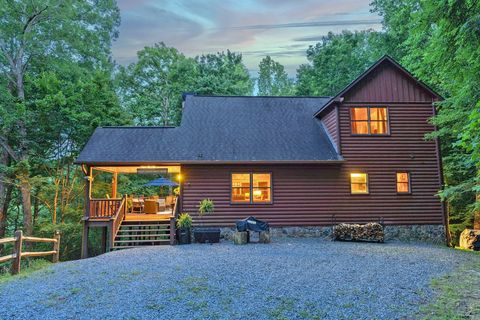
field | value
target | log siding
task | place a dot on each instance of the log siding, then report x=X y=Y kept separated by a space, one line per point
x=318 y=194
x=330 y=123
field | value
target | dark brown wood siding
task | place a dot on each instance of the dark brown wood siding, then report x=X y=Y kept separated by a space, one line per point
x=330 y=122
x=302 y=194
x=314 y=195
x=405 y=149
x=387 y=84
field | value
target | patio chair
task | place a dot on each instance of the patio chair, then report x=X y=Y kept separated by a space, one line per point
x=151 y=207
x=137 y=205
x=169 y=201
x=161 y=204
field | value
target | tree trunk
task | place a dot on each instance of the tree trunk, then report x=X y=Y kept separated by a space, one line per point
x=55 y=201
x=23 y=153
x=36 y=208
x=4 y=215
x=5 y=192
x=27 y=208
x=476 y=214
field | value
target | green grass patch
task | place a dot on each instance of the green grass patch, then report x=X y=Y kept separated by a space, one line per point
x=458 y=295
x=27 y=267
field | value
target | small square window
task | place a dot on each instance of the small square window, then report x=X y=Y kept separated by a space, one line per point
x=359 y=183
x=369 y=120
x=403 y=182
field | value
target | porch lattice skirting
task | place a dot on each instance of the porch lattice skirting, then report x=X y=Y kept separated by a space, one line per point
x=430 y=233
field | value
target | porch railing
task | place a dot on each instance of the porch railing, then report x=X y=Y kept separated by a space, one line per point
x=103 y=208
x=116 y=220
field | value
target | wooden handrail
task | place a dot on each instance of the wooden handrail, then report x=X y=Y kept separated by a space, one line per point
x=116 y=220
x=33 y=239
x=17 y=254
x=7 y=240
x=38 y=254
x=8 y=257
x=173 y=221
x=176 y=208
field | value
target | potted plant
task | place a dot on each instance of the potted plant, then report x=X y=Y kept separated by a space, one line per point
x=202 y=234
x=176 y=191
x=184 y=225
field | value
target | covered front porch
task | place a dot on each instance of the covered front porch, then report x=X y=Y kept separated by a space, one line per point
x=133 y=205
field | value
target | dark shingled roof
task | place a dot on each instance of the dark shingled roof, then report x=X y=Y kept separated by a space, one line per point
x=221 y=129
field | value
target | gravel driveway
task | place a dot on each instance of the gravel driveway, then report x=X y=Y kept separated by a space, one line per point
x=287 y=279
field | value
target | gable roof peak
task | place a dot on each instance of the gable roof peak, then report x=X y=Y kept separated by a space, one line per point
x=369 y=70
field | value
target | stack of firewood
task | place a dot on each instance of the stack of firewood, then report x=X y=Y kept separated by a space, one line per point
x=470 y=239
x=359 y=232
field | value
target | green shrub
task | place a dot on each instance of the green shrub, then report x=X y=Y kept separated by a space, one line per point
x=184 y=221
x=206 y=206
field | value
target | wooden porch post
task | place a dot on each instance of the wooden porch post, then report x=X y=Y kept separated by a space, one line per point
x=114 y=184
x=88 y=193
x=104 y=239
x=84 y=253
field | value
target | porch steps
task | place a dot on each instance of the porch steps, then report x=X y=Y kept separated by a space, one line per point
x=134 y=234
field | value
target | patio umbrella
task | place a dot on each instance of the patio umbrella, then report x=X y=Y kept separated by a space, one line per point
x=160 y=182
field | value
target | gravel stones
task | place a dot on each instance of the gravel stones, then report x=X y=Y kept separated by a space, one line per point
x=291 y=278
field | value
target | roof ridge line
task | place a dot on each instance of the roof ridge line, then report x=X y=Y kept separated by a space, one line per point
x=270 y=97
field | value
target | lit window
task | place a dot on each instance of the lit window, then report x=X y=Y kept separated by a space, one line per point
x=403 y=182
x=359 y=183
x=262 y=187
x=369 y=120
x=241 y=187
x=251 y=188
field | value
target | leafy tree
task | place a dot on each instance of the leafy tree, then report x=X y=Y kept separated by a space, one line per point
x=223 y=74
x=151 y=88
x=336 y=60
x=439 y=40
x=36 y=35
x=273 y=80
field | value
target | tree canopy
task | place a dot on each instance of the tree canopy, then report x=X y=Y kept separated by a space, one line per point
x=273 y=79
x=151 y=88
x=337 y=60
x=58 y=83
x=223 y=74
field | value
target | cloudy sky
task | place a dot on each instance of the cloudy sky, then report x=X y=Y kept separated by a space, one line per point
x=282 y=29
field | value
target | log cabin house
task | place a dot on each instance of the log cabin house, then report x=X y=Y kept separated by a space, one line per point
x=301 y=162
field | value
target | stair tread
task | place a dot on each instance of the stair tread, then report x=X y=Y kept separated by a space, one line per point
x=142 y=235
x=128 y=247
x=145 y=225
x=143 y=230
x=140 y=241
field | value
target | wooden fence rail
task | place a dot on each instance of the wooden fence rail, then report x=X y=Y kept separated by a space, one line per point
x=17 y=254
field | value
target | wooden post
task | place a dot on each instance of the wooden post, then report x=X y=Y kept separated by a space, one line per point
x=56 y=247
x=114 y=185
x=88 y=192
x=111 y=242
x=104 y=239
x=17 y=251
x=172 y=231
x=84 y=253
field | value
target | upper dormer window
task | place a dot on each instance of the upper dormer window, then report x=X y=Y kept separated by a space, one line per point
x=369 y=120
